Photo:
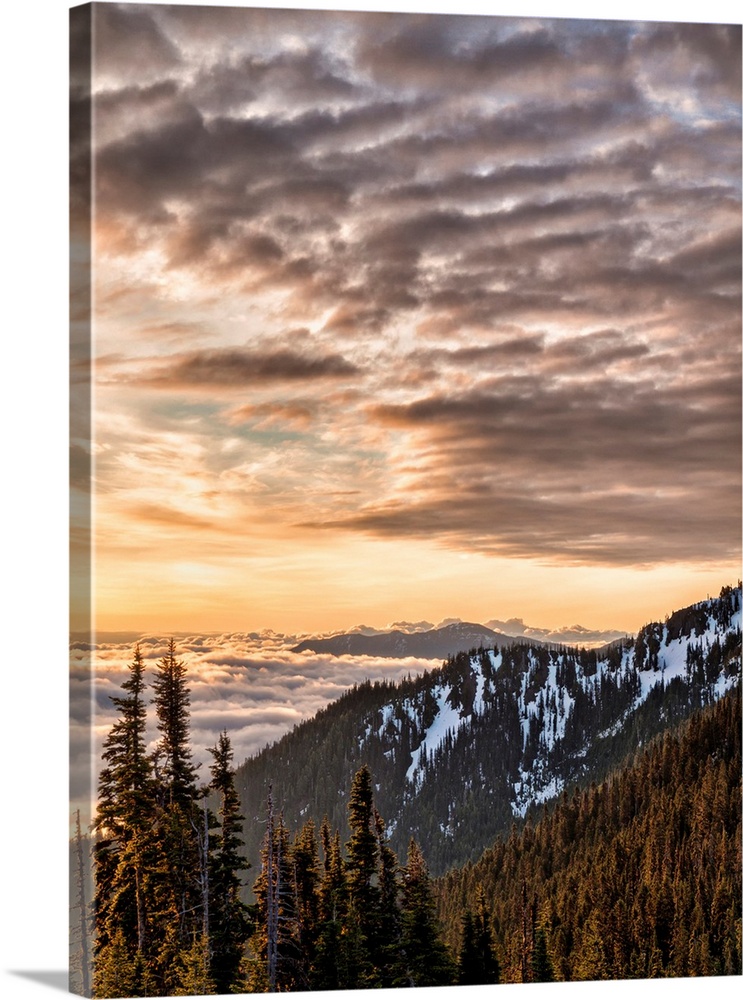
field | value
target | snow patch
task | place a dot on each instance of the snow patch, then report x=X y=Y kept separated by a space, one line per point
x=447 y=720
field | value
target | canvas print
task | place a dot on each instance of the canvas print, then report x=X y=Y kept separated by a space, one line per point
x=406 y=500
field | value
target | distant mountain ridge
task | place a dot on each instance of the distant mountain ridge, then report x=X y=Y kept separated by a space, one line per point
x=460 y=752
x=439 y=642
x=434 y=644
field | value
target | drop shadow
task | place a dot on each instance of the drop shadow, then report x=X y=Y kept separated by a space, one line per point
x=52 y=978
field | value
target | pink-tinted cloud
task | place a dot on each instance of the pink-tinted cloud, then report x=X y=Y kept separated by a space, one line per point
x=518 y=240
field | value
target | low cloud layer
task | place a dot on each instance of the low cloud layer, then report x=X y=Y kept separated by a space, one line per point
x=250 y=684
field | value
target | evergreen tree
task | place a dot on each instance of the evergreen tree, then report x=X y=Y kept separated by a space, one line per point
x=362 y=849
x=427 y=960
x=176 y=770
x=477 y=964
x=388 y=931
x=467 y=961
x=541 y=965
x=330 y=972
x=115 y=973
x=124 y=814
x=178 y=872
x=275 y=941
x=362 y=853
x=305 y=866
x=195 y=977
x=228 y=924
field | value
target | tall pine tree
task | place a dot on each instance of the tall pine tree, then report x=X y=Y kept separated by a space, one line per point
x=330 y=972
x=123 y=818
x=176 y=770
x=477 y=963
x=177 y=877
x=362 y=853
x=229 y=926
x=427 y=959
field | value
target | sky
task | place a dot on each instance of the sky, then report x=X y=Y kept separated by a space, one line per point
x=412 y=316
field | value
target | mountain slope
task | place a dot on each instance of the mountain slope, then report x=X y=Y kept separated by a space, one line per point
x=460 y=752
x=638 y=877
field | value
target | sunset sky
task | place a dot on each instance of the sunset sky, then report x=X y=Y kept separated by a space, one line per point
x=407 y=316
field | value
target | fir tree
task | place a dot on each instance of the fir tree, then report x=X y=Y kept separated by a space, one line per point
x=195 y=977
x=228 y=916
x=477 y=964
x=362 y=849
x=362 y=853
x=178 y=872
x=388 y=931
x=115 y=972
x=176 y=770
x=124 y=813
x=541 y=965
x=305 y=866
x=427 y=960
x=329 y=971
x=275 y=939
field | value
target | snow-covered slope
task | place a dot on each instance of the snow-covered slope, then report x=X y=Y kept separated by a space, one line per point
x=461 y=752
x=552 y=683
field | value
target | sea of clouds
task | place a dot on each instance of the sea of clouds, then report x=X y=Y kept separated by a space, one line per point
x=251 y=684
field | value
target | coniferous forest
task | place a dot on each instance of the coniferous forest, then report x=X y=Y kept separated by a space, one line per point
x=635 y=878
x=634 y=874
x=167 y=910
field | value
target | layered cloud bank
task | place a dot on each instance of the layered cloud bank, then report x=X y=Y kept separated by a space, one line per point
x=454 y=281
x=250 y=684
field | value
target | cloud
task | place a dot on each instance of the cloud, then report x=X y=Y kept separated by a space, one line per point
x=295 y=415
x=236 y=369
x=129 y=36
x=449 y=52
x=478 y=277
x=250 y=685
x=526 y=451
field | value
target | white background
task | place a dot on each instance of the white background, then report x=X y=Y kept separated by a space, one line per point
x=33 y=481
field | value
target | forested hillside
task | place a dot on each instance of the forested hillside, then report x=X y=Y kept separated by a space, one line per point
x=460 y=752
x=634 y=878
x=636 y=875
x=167 y=917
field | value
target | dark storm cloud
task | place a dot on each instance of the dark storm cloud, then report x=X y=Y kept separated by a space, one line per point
x=450 y=52
x=235 y=368
x=606 y=470
x=710 y=58
x=129 y=37
x=523 y=238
